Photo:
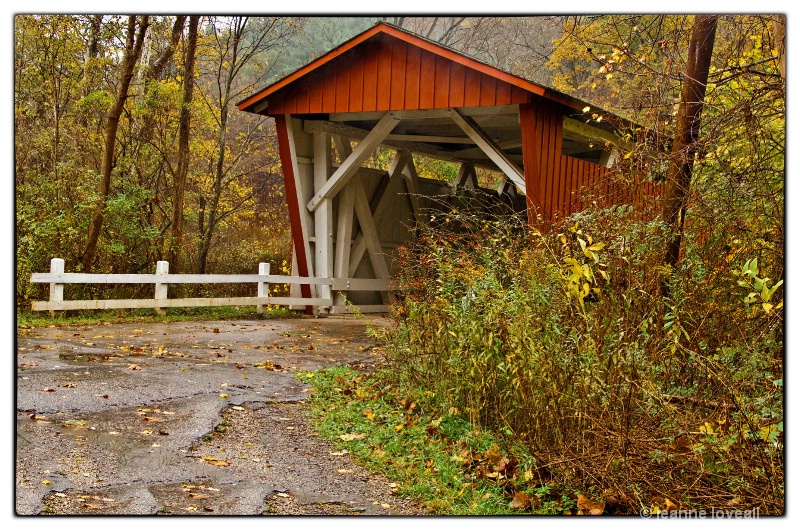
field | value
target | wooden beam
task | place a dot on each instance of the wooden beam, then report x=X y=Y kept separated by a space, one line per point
x=595 y=133
x=350 y=165
x=371 y=239
x=428 y=138
x=531 y=153
x=323 y=216
x=359 y=245
x=412 y=187
x=489 y=147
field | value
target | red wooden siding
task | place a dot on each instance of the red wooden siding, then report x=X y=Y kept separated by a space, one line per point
x=556 y=183
x=390 y=74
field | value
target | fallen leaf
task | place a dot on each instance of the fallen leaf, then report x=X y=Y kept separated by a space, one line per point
x=91 y=506
x=209 y=509
x=134 y=367
x=587 y=506
x=520 y=501
x=223 y=395
x=344 y=471
x=353 y=436
x=49 y=390
x=163 y=432
x=198 y=495
x=237 y=408
x=46 y=482
x=216 y=330
x=669 y=505
x=153 y=419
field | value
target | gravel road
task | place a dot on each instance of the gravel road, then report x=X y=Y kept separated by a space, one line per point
x=187 y=419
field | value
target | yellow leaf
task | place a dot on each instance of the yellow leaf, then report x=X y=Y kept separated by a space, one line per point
x=398 y=428
x=587 y=109
x=223 y=395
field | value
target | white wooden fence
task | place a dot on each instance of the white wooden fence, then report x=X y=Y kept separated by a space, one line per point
x=162 y=279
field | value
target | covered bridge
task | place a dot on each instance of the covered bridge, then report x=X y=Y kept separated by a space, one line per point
x=391 y=88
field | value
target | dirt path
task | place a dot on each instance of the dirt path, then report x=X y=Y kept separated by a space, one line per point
x=186 y=418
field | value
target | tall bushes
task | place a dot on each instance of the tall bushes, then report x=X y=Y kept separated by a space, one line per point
x=563 y=341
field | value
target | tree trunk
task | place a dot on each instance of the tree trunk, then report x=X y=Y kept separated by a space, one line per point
x=133 y=49
x=183 y=145
x=688 y=125
x=779 y=30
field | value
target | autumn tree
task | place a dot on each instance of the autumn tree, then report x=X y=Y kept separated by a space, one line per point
x=133 y=50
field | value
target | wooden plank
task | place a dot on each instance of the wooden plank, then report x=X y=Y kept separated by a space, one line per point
x=315 y=93
x=263 y=287
x=412 y=77
x=397 y=93
x=301 y=96
x=472 y=88
x=350 y=165
x=370 y=97
x=384 y=52
x=503 y=94
x=457 y=76
x=489 y=147
x=363 y=284
x=342 y=90
x=427 y=72
x=328 y=82
x=530 y=155
x=441 y=83
x=56 y=289
x=161 y=289
x=357 y=81
x=110 y=304
x=488 y=88
x=183 y=278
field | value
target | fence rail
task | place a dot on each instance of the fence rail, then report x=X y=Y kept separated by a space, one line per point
x=57 y=278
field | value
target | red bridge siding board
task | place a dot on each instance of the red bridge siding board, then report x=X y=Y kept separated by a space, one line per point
x=503 y=93
x=472 y=88
x=301 y=97
x=412 y=78
x=457 y=75
x=488 y=87
x=427 y=71
x=370 y=93
x=384 y=52
x=315 y=93
x=342 y=91
x=397 y=91
x=357 y=82
x=441 y=83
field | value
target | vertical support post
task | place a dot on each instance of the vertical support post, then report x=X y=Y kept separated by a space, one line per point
x=263 y=287
x=162 y=268
x=56 y=290
x=323 y=215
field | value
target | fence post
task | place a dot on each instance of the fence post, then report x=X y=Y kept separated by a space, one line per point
x=263 y=287
x=162 y=268
x=56 y=290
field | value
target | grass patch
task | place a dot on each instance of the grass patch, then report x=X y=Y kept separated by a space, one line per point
x=435 y=455
x=96 y=317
